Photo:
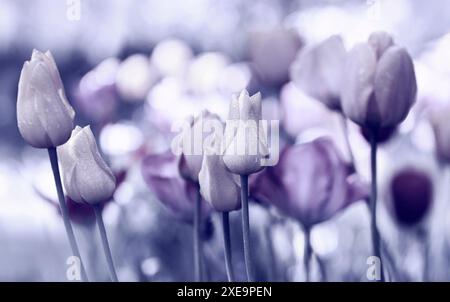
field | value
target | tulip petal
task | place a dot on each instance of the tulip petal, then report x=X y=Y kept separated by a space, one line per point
x=395 y=85
x=318 y=71
x=357 y=87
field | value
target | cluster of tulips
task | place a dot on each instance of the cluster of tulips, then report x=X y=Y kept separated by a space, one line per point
x=373 y=85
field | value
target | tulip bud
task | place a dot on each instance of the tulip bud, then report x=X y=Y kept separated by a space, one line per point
x=379 y=85
x=86 y=177
x=411 y=194
x=318 y=71
x=192 y=143
x=245 y=146
x=44 y=116
x=218 y=186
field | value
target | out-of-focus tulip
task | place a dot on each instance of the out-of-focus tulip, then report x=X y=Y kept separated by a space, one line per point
x=135 y=77
x=311 y=183
x=192 y=143
x=44 y=116
x=379 y=85
x=271 y=53
x=318 y=71
x=217 y=185
x=411 y=195
x=96 y=96
x=441 y=128
x=245 y=146
x=160 y=172
x=171 y=57
x=86 y=177
x=294 y=103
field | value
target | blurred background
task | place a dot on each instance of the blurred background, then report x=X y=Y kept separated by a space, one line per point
x=131 y=68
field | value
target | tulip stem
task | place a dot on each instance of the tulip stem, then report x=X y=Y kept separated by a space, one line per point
x=105 y=244
x=197 y=239
x=246 y=227
x=227 y=244
x=307 y=254
x=373 y=200
x=64 y=212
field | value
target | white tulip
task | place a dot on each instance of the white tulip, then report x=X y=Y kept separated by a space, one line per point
x=217 y=185
x=194 y=138
x=44 y=116
x=86 y=177
x=245 y=146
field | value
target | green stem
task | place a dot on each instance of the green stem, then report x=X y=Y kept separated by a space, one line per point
x=227 y=244
x=105 y=244
x=246 y=227
x=64 y=211
x=373 y=201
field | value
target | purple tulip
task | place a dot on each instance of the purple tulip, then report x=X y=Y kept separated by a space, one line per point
x=411 y=195
x=271 y=53
x=160 y=172
x=379 y=85
x=318 y=71
x=311 y=183
x=96 y=96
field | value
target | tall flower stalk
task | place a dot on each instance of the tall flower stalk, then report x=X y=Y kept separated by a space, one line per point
x=378 y=90
x=245 y=150
x=227 y=245
x=64 y=212
x=376 y=244
x=45 y=120
x=220 y=188
x=190 y=162
x=197 y=239
x=105 y=243
x=87 y=179
x=307 y=254
x=246 y=227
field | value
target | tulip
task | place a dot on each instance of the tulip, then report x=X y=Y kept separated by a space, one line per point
x=379 y=85
x=221 y=189
x=161 y=173
x=441 y=129
x=318 y=71
x=271 y=52
x=245 y=146
x=44 y=116
x=96 y=96
x=311 y=183
x=378 y=91
x=217 y=185
x=87 y=179
x=45 y=120
x=192 y=144
x=411 y=195
x=193 y=140
x=244 y=152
